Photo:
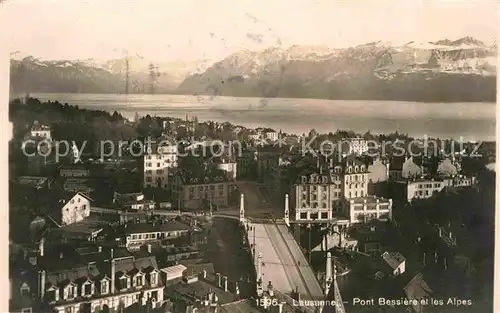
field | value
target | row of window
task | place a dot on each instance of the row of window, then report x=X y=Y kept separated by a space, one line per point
x=88 y=289
x=153 y=235
x=157 y=172
x=436 y=185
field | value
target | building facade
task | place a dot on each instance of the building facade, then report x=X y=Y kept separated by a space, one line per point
x=41 y=131
x=158 y=162
x=425 y=188
x=357 y=146
x=365 y=209
x=108 y=286
x=140 y=234
x=209 y=190
x=76 y=209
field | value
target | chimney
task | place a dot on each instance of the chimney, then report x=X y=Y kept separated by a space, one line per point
x=41 y=247
x=280 y=307
x=113 y=282
x=224 y=282
x=100 y=249
x=270 y=289
x=42 y=284
x=218 y=279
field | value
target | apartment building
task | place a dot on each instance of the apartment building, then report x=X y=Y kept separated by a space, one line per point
x=140 y=234
x=41 y=131
x=365 y=209
x=133 y=201
x=207 y=189
x=75 y=208
x=159 y=161
x=355 y=178
x=357 y=146
x=425 y=188
x=108 y=285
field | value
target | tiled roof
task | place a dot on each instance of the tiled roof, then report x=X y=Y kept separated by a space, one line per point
x=393 y=259
x=417 y=288
x=64 y=277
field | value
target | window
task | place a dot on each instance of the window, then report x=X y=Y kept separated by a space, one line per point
x=303 y=216
x=324 y=215
x=50 y=295
x=78 y=200
x=87 y=289
x=158 y=164
x=25 y=290
x=124 y=283
x=154 y=278
x=149 y=179
x=71 y=292
x=72 y=201
x=139 y=280
x=104 y=287
x=148 y=164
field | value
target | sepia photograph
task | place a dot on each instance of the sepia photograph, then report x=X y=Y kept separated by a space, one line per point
x=279 y=156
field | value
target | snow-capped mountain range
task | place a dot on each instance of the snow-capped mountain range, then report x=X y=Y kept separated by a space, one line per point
x=376 y=70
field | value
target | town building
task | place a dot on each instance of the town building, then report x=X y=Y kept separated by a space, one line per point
x=140 y=234
x=357 y=146
x=41 y=131
x=208 y=189
x=425 y=188
x=319 y=195
x=101 y=284
x=159 y=160
x=75 y=170
x=270 y=134
x=75 y=208
x=133 y=201
x=368 y=208
x=227 y=164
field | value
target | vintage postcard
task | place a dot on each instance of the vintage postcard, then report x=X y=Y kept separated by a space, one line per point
x=192 y=156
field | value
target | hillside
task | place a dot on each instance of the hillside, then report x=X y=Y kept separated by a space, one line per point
x=88 y=76
x=442 y=71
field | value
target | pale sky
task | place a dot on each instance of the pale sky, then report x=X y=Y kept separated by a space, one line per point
x=165 y=30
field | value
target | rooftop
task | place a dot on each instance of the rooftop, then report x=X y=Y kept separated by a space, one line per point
x=393 y=259
x=88 y=226
x=369 y=200
x=136 y=228
x=33 y=181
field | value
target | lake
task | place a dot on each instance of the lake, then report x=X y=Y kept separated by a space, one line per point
x=472 y=121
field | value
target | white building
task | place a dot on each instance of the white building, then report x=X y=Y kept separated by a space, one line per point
x=271 y=135
x=425 y=188
x=357 y=146
x=41 y=131
x=365 y=209
x=140 y=234
x=158 y=162
x=108 y=286
x=75 y=209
